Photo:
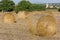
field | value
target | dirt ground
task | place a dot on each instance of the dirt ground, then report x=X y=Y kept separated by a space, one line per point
x=19 y=30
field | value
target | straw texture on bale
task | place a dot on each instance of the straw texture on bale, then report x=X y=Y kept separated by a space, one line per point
x=46 y=25
x=8 y=18
x=32 y=29
x=22 y=14
x=32 y=23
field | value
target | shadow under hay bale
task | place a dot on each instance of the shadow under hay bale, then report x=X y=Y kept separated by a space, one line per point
x=46 y=25
x=22 y=15
x=8 y=18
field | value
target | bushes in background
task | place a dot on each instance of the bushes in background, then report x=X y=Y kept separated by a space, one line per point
x=22 y=6
x=27 y=6
x=59 y=9
x=37 y=7
x=7 y=5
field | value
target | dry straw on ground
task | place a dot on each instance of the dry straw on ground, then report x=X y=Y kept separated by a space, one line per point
x=45 y=26
x=8 y=18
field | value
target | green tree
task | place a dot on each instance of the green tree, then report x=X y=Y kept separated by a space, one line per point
x=25 y=5
x=37 y=7
x=7 y=5
x=22 y=6
x=59 y=9
x=1 y=6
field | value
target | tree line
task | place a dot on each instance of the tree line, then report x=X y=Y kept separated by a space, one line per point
x=9 y=5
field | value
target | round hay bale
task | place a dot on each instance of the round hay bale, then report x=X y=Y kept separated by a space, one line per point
x=22 y=14
x=46 y=26
x=45 y=18
x=8 y=18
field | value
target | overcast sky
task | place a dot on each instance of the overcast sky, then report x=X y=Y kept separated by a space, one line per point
x=40 y=1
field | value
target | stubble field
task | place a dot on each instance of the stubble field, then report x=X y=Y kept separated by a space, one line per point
x=19 y=30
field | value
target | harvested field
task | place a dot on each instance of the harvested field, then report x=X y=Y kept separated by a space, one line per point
x=19 y=30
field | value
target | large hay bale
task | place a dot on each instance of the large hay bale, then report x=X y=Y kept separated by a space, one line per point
x=45 y=19
x=46 y=26
x=22 y=14
x=8 y=18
